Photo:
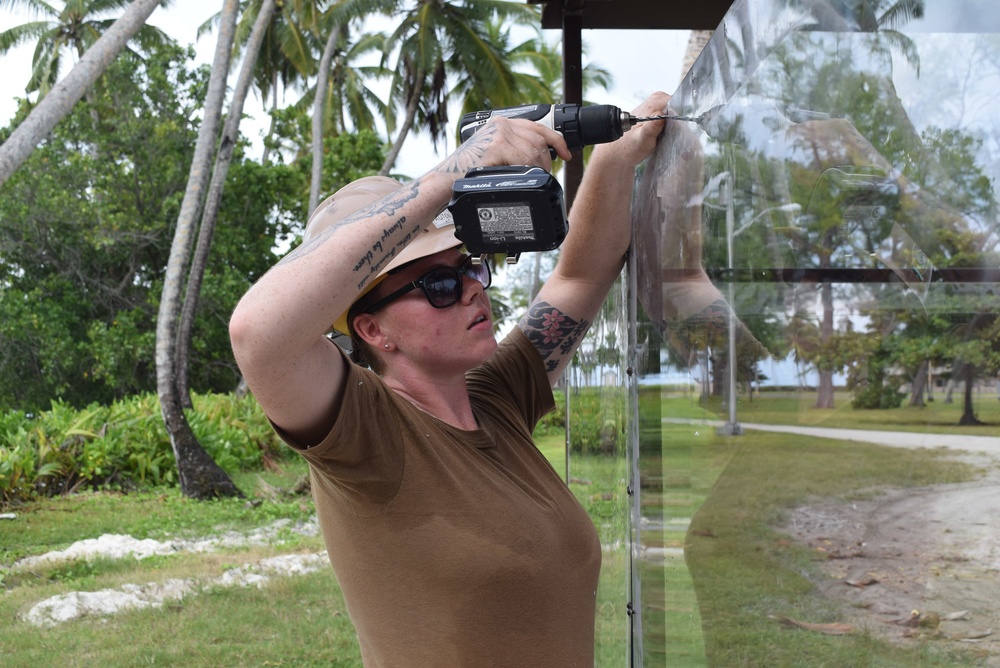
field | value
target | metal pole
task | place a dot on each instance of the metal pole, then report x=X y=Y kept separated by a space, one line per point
x=732 y=427
x=573 y=89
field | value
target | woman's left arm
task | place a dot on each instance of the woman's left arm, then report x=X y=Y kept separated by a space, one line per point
x=592 y=256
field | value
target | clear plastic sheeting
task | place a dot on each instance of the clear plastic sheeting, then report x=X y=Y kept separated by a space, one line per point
x=810 y=393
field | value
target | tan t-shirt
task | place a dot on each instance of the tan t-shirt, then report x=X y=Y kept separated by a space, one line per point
x=457 y=548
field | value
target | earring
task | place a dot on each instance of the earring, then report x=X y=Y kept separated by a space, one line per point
x=386 y=346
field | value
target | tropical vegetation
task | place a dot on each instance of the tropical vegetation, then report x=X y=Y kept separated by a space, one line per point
x=134 y=218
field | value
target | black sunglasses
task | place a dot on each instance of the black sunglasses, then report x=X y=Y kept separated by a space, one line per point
x=442 y=286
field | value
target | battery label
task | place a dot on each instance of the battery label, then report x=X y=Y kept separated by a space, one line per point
x=509 y=222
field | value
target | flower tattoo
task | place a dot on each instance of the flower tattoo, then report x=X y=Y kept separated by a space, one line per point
x=552 y=332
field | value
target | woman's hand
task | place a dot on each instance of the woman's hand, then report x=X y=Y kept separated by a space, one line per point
x=505 y=141
x=639 y=142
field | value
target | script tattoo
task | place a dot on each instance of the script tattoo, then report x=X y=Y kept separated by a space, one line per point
x=393 y=237
x=553 y=333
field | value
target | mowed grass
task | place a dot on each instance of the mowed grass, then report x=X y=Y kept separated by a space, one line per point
x=714 y=606
x=744 y=573
x=292 y=621
x=936 y=417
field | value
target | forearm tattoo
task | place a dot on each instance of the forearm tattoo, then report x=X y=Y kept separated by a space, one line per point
x=394 y=237
x=398 y=231
x=553 y=333
x=713 y=320
x=469 y=154
x=709 y=328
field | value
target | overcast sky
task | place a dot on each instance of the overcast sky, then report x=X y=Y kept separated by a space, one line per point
x=641 y=62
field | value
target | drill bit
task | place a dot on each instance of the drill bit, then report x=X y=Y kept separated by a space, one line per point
x=632 y=120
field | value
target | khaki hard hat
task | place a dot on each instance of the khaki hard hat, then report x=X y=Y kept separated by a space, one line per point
x=437 y=237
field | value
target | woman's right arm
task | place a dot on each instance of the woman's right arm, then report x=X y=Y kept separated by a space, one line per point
x=278 y=329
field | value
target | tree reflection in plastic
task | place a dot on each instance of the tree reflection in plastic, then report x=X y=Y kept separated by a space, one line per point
x=836 y=207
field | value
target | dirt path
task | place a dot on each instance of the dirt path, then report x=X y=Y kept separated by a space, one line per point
x=934 y=550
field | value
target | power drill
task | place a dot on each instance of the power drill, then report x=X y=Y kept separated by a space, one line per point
x=579 y=125
x=521 y=208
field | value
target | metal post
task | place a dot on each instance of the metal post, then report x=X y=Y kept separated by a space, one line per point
x=732 y=427
x=573 y=89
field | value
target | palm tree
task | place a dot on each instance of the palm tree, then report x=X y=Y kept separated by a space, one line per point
x=352 y=103
x=336 y=34
x=438 y=39
x=536 y=67
x=341 y=91
x=76 y=28
x=200 y=477
x=287 y=55
x=230 y=135
x=65 y=94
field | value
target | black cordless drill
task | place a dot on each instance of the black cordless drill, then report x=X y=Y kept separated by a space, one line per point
x=520 y=208
x=579 y=125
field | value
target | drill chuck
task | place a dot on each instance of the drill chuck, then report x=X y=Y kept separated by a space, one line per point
x=599 y=124
x=579 y=125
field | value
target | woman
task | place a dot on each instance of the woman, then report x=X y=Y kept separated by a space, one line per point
x=454 y=541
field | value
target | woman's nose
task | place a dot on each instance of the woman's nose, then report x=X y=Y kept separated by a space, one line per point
x=472 y=288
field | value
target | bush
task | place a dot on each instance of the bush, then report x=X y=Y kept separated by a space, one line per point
x=554 y=422
x=596 y=421
x=124 y=445
x=878 y=397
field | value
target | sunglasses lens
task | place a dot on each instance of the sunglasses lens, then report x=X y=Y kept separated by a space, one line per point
x=443 y=287
x=479 y=272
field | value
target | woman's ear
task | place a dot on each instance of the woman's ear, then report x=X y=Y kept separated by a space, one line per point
x=367 y=328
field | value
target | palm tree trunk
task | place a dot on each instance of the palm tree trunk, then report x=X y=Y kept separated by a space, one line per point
x=230 y=135
x=89 y=96
x=919 y=385
x=65 y=94
x=411 y=114
x=718 y=374
x=265 y=156
x=968 y=410
x=200 y=477
x=319 y=105
x=949 y=388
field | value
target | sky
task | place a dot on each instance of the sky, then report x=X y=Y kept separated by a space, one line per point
x=640 y=61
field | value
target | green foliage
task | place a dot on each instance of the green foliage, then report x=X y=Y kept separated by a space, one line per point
x=72 y=29
x=596 y=421
x=124 y=445
x=554 y=422
x=87 y=226
x=346 y=158
x=879 y=392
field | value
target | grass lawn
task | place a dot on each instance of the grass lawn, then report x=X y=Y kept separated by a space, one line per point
x=708 y=602
x=741 y=572
x=936 y=417
x=294 y=621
